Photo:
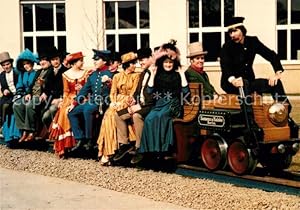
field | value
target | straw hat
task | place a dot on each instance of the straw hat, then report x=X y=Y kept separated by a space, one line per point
x=131 y=56
x=195 y=49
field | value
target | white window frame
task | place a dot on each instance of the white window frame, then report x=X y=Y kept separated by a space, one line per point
x=288 y=27
x=34 y=33
x=208 y=29
x=117 y=31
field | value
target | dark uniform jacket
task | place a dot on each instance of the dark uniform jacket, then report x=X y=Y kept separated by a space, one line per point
x=97 y=91
x=237 y=60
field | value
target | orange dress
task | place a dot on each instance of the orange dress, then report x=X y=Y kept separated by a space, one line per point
x=60 y=129
x=123 y=86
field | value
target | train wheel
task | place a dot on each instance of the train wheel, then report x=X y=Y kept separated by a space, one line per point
x=240 y=158
x=277 y=162
x=213 y=153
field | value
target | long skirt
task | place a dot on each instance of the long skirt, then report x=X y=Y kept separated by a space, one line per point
x=158 y=132
x=10 y=130
x=61 y=133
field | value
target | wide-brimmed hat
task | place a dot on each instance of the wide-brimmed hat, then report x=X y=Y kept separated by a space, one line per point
x=144 y=53
x=4 y=56
x=74 y=56
x=195 y=48
x=26 y=55
x=127 y=57
x=235 y=22
x=104 y=54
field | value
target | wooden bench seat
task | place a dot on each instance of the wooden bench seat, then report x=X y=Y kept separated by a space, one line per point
x=186 y=129
x=192 y=108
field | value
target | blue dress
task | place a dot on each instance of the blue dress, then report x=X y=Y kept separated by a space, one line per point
x=10 y=130
x=158 y=133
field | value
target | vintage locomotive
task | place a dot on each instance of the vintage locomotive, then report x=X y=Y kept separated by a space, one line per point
x=227 y=139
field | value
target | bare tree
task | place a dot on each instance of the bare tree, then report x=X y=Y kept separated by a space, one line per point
x=94 y=29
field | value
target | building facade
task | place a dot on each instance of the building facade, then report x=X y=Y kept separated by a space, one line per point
x=124 y=25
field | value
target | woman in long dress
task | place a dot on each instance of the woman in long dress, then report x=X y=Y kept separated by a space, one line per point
x=168 y=84
x=123 y=87
x=73 y=81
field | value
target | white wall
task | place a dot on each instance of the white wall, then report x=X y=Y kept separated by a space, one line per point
x=10 y=35
x=81 y=26
x=260 y=21
x=168 y=21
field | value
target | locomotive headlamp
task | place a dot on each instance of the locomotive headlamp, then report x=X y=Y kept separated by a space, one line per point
x=281 y=148
x=295 y=147
x=278 y=114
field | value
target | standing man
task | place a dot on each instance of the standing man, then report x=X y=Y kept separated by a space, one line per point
x=55 y=86
x=140 y=106
x=237 y=56
x=97 y=90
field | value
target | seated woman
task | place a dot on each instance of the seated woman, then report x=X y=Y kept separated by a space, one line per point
x=73 y=81
x=8 y=82
x=23 y=105
x=123 y=87
x=168 y=84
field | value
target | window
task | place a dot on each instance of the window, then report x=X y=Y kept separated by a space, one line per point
x=288 y=29
x=126 y=24
x=43 y=24
x=207 y=21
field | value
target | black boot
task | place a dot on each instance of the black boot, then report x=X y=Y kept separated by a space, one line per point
x=89 y=145
x=78 y=146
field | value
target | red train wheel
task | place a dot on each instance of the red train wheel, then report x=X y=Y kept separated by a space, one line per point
x=240 y=159
x=213 y=154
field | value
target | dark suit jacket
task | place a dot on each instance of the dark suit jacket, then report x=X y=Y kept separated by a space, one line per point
x=56 y=82
x=7 y=99
x=146 y=108
x=46 y=88
x=237 y=60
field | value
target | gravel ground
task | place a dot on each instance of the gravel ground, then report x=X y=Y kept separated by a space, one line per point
x=172 y=188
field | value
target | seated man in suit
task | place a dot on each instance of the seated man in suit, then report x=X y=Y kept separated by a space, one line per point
x=8 y=82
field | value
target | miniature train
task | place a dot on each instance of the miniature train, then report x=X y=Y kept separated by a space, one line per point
x=223 y=138
x=227 y=140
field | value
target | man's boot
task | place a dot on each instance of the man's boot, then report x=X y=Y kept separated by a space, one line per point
x=89 y=145
x=78 y=145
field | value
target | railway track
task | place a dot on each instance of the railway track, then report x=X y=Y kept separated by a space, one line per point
x=286 y=182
